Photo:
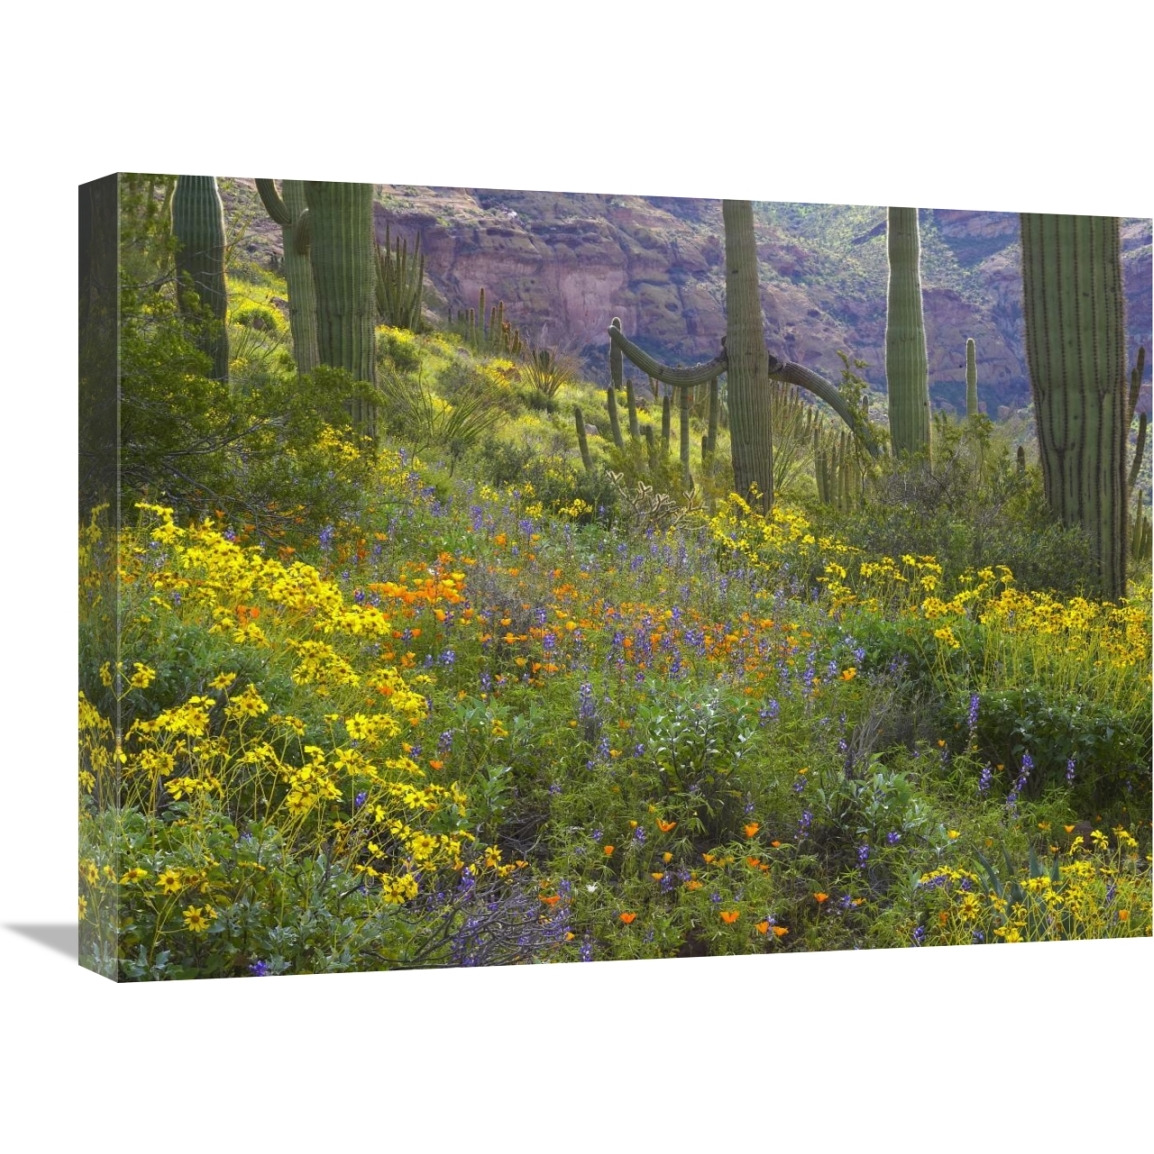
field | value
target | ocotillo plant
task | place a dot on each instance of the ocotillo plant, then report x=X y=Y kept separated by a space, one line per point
x=1076 y=349
x=289 y=210
x=344 y=274
x=198 y=228
x=907 y=365
x=971 y=378
x=400 y=283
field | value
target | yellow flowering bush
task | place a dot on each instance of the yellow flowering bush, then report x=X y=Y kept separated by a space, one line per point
x=200 y=816
x=1096 y=890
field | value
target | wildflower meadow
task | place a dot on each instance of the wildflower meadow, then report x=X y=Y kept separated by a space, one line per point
x=471 y=685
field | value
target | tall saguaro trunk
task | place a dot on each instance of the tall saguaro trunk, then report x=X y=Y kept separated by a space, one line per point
x=198 y=226
x=747 y=360
x=343 y=255
x=907 y=365
x=289 y=209
x=1076 y=348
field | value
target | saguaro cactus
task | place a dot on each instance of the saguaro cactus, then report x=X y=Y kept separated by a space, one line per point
x=907 y=365
x=747 y=360
x=344 y=274
x=971 y=378
x=198 y=226
x=1076 y=349
x=290 y=211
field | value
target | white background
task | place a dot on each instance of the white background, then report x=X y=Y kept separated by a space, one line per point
x=967 y=106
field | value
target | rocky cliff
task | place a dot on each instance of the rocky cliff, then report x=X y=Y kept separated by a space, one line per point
x=565 y=264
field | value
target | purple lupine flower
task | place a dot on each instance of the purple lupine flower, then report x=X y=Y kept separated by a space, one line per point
x=445 y=741
x=359 y=800
x=804 y=823
x=972 y=716
x=585 y=953
x=325 y=538
x=1020 y=784
x=259 y=969
x=1070 y=771
x=987 y=776
x=639 y=835
x=919 y=935
x=863 y=856
x=893 y=837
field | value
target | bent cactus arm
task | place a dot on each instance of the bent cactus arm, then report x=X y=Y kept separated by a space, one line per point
x=794 y=374
x=678 y=378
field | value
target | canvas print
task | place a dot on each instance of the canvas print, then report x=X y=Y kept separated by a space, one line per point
x=478 y=577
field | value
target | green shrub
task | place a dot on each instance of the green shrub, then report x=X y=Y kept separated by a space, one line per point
x=260 y=317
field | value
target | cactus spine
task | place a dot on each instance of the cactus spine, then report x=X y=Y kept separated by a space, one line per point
x=291 y=212
x=344 y=274
x=1076 y=348
x=198 y=227
x=971 y=378
x=907 y=365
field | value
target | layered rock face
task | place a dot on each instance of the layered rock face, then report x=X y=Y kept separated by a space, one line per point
x=566 y=263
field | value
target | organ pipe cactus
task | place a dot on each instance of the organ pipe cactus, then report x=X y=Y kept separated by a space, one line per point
x=288 y=209
x=683 y=428
x=582 y=438
x=907 y=365
x=400 y=283
x=971 y=378
x=1076 y=349
x=344 y=275
x=198 y=228
x=631 y=407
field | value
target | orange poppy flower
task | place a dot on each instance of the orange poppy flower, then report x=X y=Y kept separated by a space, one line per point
x=848 y=674
x=821 y=898
x=752 y=828
x=775 y=844
x=754 y=861
x=627 y=918
x=551 y=901
x=762 y=927
x=609 y=851
x=781 y=931
x=667 y=857
x=1068 y=828
x=693 y=884
x=708 y=857
x=435 y=764
x=730 y=916
x=665 y=826
x=657 y=876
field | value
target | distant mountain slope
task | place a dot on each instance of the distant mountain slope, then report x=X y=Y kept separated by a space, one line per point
x=565 y=264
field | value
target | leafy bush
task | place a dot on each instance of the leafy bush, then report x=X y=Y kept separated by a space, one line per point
x=1071 y=740
x=259 y=317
